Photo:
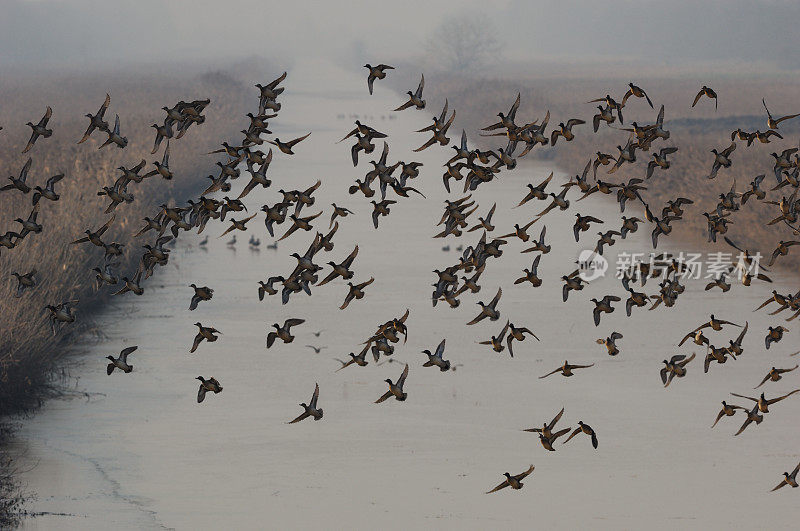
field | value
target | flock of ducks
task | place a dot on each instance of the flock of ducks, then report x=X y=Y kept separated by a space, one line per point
x=474 y=167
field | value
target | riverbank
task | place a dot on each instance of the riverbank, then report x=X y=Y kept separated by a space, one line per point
x=36 y=365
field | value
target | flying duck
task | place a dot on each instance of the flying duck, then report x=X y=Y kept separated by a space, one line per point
x=789 y=479
x=763 y=403
x=414 y=98
x=706 y=91
x=96 y=120
x=210 y=385
x=310 y=410
x=728 y=410
x=24 y=282
x=610 y=342
x=356 y=291
x=114 y=137
x=584 y=428
x=286 y=147
x=771 y=122
x=120 y=362
x=566 y=369
x=200 y=294
x=436 y=359
x=515 y=482
x=395 y=389
x=488 y=310
x=20 y=183
x=676 y=366
x=39 y=129
x=376 y=72
x=283 y=332
x=204 y=332
x=774 y=375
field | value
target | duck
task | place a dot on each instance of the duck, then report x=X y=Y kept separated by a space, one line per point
x=266 y=287
x=20 y=183
x=395 y=389
x=61 y=313
x=360 y=360
x=735 y=347
x=675 y=367
x=210 y=385
x=637 y=92
x=439 y=133
x=204 y=332
x=728 y=410
x=566 y=370
x=48 y=192
x=237 y=225
x=40 y=129
x=200 y=294
x=515 y=482
x=436 y=358
x=414 y=98
x=283 y=332
x=547 y=428
x=380 y=209
x=311 y=409
x=342 y=269
x=286 y=147
x=584 y=428
x=763 y=403
x=721 y=160
x=713 y=323
x=356 y=291
x=339 y=212
x=132 y=284
x=610 y=342
x=300 y=223
x=572 y=282
x=708 y=92
x=603 y=306
x=582 y=224
x=531 y=275
x=752 y=416
x=660 y=160
x=507 y=120
x=605 y=115
x=565 y=130
x=520 y=231
x=782 y=250
x=24 y=282
x=773 y=123
x=485 y=222
x=376 y=72
x=96 y=120
x=488 y=310
x=788 y=479
x=106 y=275
x=774 y=335
x=518 y=333
x=497 y=341
x=601 y=159
x=30 y=225
x=114 y=137
x=774 y=375
x=121 y=362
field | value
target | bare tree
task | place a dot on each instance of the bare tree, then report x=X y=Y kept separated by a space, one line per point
x=464 y=43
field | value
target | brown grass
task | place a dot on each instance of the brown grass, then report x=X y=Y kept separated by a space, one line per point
x=29 y=352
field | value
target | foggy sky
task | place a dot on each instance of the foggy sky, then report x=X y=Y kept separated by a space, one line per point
x=42 y=34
